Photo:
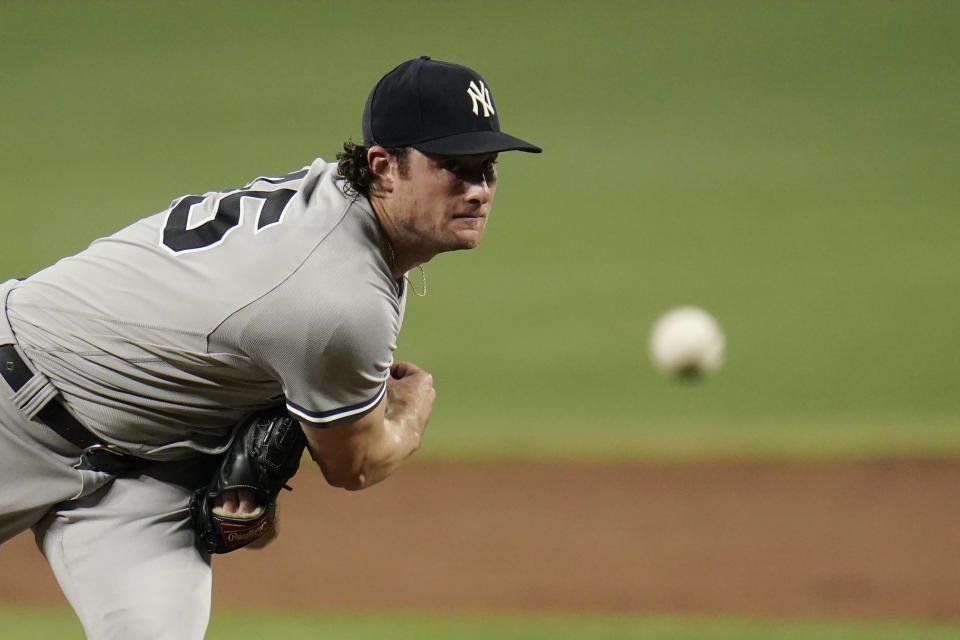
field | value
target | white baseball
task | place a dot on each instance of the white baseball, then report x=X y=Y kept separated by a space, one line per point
x=686 y=342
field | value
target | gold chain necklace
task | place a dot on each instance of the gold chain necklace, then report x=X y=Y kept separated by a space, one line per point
x=423 y=279
x=423 y=274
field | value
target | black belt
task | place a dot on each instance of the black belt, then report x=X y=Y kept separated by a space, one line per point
x=96 y=455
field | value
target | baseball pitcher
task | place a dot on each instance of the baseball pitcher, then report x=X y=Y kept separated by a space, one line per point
x=160 y=387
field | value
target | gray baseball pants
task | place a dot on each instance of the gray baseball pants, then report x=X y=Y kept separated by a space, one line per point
x=121 y=548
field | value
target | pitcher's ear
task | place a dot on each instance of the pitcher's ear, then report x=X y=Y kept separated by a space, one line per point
x=384 y=168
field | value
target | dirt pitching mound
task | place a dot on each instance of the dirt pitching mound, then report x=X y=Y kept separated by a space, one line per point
x=870 y=540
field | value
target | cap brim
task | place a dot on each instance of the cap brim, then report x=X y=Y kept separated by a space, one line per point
x=475 y=142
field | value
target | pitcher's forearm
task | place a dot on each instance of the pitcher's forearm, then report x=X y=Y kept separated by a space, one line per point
x=386 y=453
x=366 y=455
x=359 y=454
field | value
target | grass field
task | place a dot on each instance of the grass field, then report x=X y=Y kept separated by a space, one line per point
x=40 y=625
x=789 y=166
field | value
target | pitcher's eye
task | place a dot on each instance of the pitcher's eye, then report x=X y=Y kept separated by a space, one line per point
x=453 y=167
x=471 y=169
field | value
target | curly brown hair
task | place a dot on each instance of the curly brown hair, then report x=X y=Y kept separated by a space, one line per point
x=352 y=166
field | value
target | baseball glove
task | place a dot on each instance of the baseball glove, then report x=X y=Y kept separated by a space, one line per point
x=264 y=455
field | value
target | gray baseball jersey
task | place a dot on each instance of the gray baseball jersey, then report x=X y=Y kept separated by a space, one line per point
x=162 y=336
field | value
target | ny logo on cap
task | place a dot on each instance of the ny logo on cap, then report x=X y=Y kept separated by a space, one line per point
x=480 y=96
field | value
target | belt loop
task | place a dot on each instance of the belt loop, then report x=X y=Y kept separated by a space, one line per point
x=35 y=396
x=31 y=391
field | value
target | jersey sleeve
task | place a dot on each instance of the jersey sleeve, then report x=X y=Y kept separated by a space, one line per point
x=343 y=373
x=330 y=352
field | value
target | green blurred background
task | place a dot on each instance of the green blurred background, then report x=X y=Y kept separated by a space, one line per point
x=789 y=166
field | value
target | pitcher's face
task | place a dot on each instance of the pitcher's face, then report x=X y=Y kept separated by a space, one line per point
x=444 y=201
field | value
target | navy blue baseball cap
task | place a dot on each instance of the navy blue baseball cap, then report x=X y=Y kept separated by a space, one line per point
x=436 y=107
